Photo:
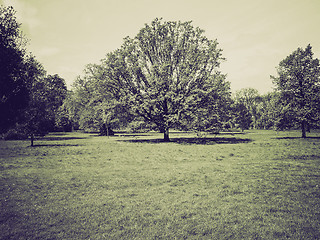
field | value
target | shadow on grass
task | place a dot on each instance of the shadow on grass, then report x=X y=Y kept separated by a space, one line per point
x=54 y=145
x=296 y=138
x=124 y=135
x=200 y=141
x=52 y=138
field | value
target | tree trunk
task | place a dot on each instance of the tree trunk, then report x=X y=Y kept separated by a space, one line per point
x=32 y=139
x=166 y=134
x=303 y=129
x=165 y=125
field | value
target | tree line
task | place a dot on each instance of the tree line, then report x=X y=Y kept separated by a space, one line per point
x=29 y=97
x=166 y=77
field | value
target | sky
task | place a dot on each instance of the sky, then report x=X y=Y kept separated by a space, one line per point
x=255 y=35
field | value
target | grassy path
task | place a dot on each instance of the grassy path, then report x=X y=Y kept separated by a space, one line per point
x=258 y=185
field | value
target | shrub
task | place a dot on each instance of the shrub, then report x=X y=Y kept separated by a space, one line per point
x=15 y=134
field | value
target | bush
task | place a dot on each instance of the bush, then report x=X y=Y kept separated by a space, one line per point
x=15 y=134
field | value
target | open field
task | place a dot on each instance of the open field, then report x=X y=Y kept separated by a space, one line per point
x=257 y=185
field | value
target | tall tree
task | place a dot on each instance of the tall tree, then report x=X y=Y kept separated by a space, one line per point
x=168 y=75
x=299 y=86
x=13 y=88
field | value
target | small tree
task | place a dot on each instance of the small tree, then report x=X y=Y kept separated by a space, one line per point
x=268 y=111
x=250 y=99
x=299 y=86
x=242 y=116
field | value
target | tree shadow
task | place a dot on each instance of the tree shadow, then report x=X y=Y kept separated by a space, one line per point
x=53 y=138
x=123 y=135
x=279 y=138
x=54 y=145
x=198 y=141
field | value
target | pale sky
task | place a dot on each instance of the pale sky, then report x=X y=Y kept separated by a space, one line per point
x=255 y=35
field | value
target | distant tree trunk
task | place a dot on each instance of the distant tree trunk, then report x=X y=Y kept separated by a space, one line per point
x=32 y=139
x=166 y=134
x=303 y=129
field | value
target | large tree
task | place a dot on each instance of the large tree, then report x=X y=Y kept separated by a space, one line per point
x=13 y=89
x=299 y=86
x=168 y=75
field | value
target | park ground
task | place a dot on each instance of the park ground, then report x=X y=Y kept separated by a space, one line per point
x=255 y=185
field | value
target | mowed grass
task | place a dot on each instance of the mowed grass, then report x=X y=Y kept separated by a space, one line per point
x=257 y=185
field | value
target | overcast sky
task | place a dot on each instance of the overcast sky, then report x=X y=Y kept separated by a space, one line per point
x=255 y=35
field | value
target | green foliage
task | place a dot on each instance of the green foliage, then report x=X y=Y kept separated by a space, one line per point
x=249 y=99
x=242 y=118
x=55 y=91
x=299 y=86
x=13 y=87
x=94 y=102
x=70 y=109
x=63 y=121
x=268 y=111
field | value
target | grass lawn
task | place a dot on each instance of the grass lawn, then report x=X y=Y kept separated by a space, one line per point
x=257 y=185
